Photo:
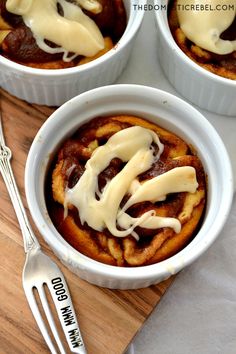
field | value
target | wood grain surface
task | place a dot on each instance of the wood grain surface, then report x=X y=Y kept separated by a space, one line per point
x=109 y=319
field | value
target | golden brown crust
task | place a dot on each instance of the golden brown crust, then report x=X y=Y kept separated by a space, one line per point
x=174 y=244
x=221 y=65
x=81 y=240
x=154 y=245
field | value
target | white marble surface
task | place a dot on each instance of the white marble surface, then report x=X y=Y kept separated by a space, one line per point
x=198 y=313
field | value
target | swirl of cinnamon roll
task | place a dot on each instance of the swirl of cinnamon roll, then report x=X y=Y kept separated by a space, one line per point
x=126 y=192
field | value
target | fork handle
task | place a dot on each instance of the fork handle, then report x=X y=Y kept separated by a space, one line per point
x=29 y=239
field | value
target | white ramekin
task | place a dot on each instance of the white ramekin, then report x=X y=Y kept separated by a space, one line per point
x=203 y=88
x=167 y=111
x=54 y=87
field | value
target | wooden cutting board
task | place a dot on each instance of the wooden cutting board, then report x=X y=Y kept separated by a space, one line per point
x=109 y=319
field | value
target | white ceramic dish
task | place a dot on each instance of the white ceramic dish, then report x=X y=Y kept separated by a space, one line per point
x=54 y=87
x=207 y=90
x=166 y=110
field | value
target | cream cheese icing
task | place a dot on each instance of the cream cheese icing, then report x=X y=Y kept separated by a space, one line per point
x=102 y=209
x=204 y=26
x=74 y=32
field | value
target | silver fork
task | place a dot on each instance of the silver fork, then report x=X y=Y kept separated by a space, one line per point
x=40 y=272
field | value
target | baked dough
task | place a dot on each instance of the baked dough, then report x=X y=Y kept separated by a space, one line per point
x=153 y=245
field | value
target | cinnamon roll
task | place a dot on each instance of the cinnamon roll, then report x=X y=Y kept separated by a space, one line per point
x=126 y=192
x=203 y=36
x=57 y=34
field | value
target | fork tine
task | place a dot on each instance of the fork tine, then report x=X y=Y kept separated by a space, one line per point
x=50 y=319
x=38 y=318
